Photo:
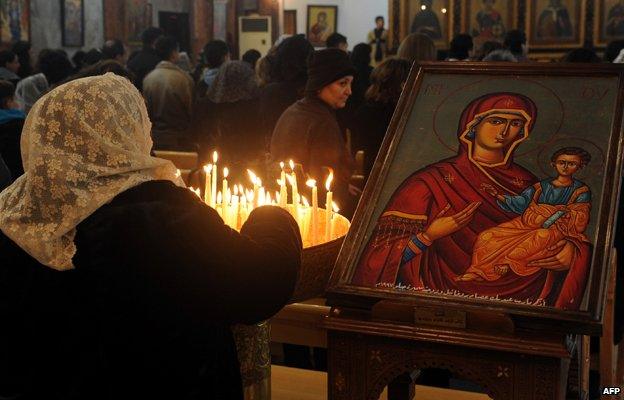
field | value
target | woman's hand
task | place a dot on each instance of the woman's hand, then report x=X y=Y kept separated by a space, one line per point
x=443 y=226
x=562 y=261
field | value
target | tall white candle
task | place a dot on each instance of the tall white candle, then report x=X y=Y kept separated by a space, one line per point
x=283 y=197
x=328 y=206
x=225 y=190
x=314 y=234
x=215 y=172
x=207 y=185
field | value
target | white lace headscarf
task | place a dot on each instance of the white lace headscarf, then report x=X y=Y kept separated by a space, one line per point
x=82 y=144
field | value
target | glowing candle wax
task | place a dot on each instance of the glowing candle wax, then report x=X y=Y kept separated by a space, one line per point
x=215 y=172
x=207 y=185
x=314 y=236
x=328 y=206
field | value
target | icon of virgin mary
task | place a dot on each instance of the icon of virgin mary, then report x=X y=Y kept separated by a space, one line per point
x=425 y=236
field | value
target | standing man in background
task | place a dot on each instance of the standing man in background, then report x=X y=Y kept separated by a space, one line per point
x=377 y=39
x=142 y=62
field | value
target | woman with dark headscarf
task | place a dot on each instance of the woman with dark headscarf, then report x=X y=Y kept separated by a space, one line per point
x=228 y=117
x=288 y=80
x=372 y=118
x=118 y=282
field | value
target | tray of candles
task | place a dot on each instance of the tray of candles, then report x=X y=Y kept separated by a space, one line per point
x=322 y=228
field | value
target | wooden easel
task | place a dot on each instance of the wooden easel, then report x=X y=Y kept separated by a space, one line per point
x=509 y=360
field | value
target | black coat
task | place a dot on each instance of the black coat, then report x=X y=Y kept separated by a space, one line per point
x=232 y=128
x=368 y=128
x=5 y=175
x=141 y=64
x=10 y=135
x=146 y=312
x=275 y=98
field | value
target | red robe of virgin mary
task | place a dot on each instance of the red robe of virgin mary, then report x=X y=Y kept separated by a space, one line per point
x=457 y=182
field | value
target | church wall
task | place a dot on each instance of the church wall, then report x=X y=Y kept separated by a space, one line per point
x=355 y=17
x=45 y=23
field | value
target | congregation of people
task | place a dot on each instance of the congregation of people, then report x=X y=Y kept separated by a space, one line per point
x=317 y=107
x=122 y=221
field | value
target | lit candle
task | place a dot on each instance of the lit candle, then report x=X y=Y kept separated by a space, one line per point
x=292 y=178
x=334 y=211
x=207 y=185
x=213 y=195
x=305 y=220
x=225 y=190
x=256 y=185
x=220 y=204
x=178 y=173
x=312 y=183
x=328 y=206
x=235 y=209
x=282 y=183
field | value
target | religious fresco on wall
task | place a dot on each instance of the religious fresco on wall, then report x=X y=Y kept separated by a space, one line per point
x=494 y=192
x=14 y=20
x=608 y=21
x=72 y=15
x=138 y=18
x=556 y=23
x=322 y=22
x=432 y=18
x=488 y=20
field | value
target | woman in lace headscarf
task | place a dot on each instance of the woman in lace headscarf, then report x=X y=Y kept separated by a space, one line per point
x=228 y=117
x=118 y=282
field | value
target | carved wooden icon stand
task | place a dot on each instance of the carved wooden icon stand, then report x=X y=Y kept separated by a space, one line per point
x=509 y=358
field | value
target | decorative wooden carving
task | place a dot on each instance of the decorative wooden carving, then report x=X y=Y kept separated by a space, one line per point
x=361 y=365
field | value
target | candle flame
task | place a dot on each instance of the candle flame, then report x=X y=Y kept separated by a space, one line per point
x=291 y=163
x=235 y=190
x=329 y=180
x=215 y=156
x=267 y=198
x=335 y=207
x=306 y=203
x=244 y=200
x=279 y=182
x=282 y=165
x=259 y=181
x=178 y=173
x=311 y=183
x=249 y=194
x=226 y=172
x=219 y=197
x=241 y=190
x=208 y=168
x=253 y=177
x=277 y=195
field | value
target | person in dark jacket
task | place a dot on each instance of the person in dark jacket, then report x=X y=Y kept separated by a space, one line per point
x=22 y=49
x=118 y=282
x=308 y=131
x=228 y=118
x=361 y=58
x=373 y=117
x=5 y=175
x=11 y=123
x=9 y=66
x=143 y=62
x=288 y=79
